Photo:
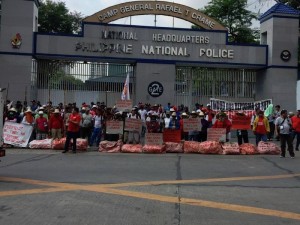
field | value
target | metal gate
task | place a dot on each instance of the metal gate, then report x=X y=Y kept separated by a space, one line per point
x=198 y=85
x=77 y=82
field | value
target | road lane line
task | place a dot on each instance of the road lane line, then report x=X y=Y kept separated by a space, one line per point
x=32 y=191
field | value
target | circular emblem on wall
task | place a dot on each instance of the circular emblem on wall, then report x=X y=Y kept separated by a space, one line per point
x=285 y=55
x=155 y=89
x=16 y=41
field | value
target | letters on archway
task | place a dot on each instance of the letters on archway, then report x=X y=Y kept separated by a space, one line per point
x=155 y=8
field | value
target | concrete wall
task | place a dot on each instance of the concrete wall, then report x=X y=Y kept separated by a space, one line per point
x=147 y=73
x=279 y=80
x=18 y=16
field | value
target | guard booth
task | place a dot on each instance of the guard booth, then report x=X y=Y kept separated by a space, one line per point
x=180 y=66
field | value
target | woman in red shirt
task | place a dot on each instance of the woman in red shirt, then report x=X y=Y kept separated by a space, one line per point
x=73 y=129
x=223 y=122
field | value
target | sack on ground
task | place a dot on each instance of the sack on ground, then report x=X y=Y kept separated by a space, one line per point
x=59 y=144
x=81 y=144
x=154 y=149
x=268 y=148
x=210 y=147
x=41 y=144
x=191 y=147
x=132 y=148
x=230 y=148
x=110 y=146
x=174 y=147
x=248 y=149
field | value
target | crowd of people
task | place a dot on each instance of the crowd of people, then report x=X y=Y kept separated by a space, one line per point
x=89 y=121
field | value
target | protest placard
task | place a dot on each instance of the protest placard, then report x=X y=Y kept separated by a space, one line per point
x=170 y=135
x=16 y=134
x=192 y=124
x=216 y=134
x=123 y=105
x=153 y=138
x=241 y=122
x=133 y=125
x=114 y=127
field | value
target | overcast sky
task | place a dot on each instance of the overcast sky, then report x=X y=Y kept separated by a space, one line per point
x=89 y=7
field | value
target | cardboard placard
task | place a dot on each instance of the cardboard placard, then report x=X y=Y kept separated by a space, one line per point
x=133 y=125
x=122 y=105
x=170 y=135
x=216 y=134
x=153 y=138
x=192 y=124
x=241 y=122
x=114 y=127
x=16 y=134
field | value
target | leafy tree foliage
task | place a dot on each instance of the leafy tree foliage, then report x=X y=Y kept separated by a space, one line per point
x=293 y=3
x=55 y=17
x=233 y=15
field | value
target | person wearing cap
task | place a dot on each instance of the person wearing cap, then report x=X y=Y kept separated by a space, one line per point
x=12 y=115
x=174 y=122
x=73 y=130
x=28 y=117
x=223 y=122
x=296 y=129
x=203 y=133
x=143 y=113
x=41 y=126
x=194 y=135
x=283 y=126
x=133 y=136
x=167 y=120
x=45 y=115
x=153 y=125
x=184 y=135
x=56 y=125
x=260 y=127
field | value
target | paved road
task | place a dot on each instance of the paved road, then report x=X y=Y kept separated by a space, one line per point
x=47 y=187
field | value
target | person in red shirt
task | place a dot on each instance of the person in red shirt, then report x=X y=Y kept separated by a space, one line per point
x=210 y=114
x=56 y=124
x=261 y=127
x=223 y=122
x=41 y=126
x=296 y=128
x=73 y=129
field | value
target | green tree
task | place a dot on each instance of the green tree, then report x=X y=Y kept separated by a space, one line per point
x=235 y=17
x=293 y=3
x=55 y=17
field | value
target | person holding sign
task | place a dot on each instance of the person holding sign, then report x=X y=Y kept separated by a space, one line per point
x=261 y=127
x=133 y=135
x=174 y=122
x=153 y=125
x=223 y=122
x=205 y=126
x=184 y=135
x=193 y=135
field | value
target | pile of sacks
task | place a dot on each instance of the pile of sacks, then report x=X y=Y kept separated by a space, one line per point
x=58 y=144
x=206 y=147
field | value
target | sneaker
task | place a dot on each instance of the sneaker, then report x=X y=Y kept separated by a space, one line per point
x=282 y=156
x=65 y=151
x=292 y=157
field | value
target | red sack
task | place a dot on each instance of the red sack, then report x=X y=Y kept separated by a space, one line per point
x=248 y=149
x=81 y=144
x=59 y=144
x=41 y=144
x=130 y=148
x=268 y=148
x=154 y=148
x=210 y=147
x=173 y=147
x=110 y=146
x=230 y=148
x=191 y=147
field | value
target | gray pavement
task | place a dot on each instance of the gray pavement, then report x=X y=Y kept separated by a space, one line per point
x=47 y=187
